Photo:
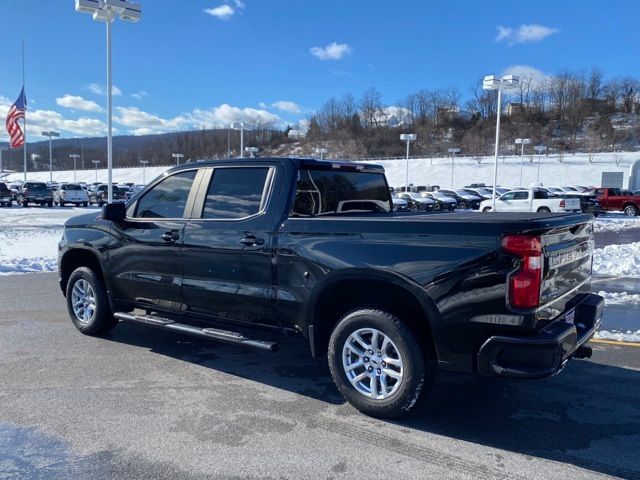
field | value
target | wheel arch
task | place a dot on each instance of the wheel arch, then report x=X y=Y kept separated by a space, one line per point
x=347 y=291
x=79 y=257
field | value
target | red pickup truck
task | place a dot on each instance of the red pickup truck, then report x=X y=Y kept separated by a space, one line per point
x=613 y=200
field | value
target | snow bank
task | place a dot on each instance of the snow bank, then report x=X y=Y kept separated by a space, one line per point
x=620 y=298
x=627 y=336
x=29 y=250
x=432 y=171
x=29 y=238
x=615 y=223
x=618 y=260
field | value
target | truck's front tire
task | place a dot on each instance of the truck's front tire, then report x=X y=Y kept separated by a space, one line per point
x=630 y=211
x=377 y=363
x=88 y=304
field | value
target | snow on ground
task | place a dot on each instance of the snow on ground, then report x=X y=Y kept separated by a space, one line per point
x=613 y=222
x=620 y=298
x=618 y=260
x=29 y=237
x=575 y=169
x=627 y=336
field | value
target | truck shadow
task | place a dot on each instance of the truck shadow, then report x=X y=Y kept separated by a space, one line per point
x=588 y=416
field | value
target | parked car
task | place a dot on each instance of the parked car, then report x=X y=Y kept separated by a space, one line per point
x=532 y=200
x=35 y=192
x=417 y=202
x=15 y=189
x=5 y=195
x=399 y=204
x=445 y=201
x=481 y=192
x=230 y=250
x=98 y=194
x=464 y=199
x=612 y=200
x=70 y=193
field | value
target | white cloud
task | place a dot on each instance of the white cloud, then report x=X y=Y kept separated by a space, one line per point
x=78 y=103
x=224 y=114
x=524 y=34
x=223 y=12
x=102 y=90
x=286 y=106
x=133 y=117
x=333 y=51
x=139 y=95
x=537 y=77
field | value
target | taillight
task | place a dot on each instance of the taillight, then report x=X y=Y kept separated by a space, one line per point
x=562 y=204
x=525 y=283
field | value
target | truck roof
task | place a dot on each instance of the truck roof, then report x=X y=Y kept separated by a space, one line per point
x=297 y=162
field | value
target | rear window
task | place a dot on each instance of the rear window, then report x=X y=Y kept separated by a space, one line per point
x=35 y=185
x=326 y=192
x=3 y=188
x=71 y=187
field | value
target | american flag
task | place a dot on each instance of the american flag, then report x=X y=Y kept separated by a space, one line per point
x=16 y=112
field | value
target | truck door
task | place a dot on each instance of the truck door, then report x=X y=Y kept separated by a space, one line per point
x=146 y=262
x=504 y=203
x=521 y=202
x=228 y=244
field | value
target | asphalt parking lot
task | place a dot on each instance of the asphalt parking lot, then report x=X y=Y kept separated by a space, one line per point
x=142 y=403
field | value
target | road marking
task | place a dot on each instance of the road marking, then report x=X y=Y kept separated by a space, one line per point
x=615 y=342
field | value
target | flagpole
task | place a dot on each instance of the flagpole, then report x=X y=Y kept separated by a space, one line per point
x=25 y=118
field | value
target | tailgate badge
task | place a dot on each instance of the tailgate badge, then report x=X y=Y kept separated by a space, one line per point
x=570 y=316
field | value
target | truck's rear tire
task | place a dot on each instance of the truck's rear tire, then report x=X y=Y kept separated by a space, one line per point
x=630 y=211
x=88 y=304
x=377 y=363
x=486 y=209
x=543 y=210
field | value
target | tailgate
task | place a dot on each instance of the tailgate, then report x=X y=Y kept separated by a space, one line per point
x=568 y=258
x=572 y=204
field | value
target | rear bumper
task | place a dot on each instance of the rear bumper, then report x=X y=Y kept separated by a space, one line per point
x=546 y=352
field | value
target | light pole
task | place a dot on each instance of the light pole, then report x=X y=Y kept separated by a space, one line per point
x=523 y=142
x=492 y=82
x=242 y=126
x=407 y=137
x=321 y=152
x=539 y=149
x=50 y=134
x=177 y=156
x=107 y=11
x=96 y=163
x=252 y=151
x=144 y=173
x=453 y=152
x=75 y=157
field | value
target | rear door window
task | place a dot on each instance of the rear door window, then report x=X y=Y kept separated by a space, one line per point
x=236 y=193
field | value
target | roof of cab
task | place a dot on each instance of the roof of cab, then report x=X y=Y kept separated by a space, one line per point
x=297 y=162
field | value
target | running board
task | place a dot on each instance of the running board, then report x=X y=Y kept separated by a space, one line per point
x=209 y=332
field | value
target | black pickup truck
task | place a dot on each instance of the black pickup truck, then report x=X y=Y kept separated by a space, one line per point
x=231 y=250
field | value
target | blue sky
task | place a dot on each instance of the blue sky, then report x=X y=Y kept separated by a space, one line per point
x=196 y=63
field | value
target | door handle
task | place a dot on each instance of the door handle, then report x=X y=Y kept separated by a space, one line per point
x=251 y=240
x=170 y=236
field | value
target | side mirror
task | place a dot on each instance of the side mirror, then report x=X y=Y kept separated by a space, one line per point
x=114 y=212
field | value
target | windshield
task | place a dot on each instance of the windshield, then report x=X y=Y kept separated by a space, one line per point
x=571 y=189
x=440 y=196
x=554 y=190
x=462 y=193
x=326 y=192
